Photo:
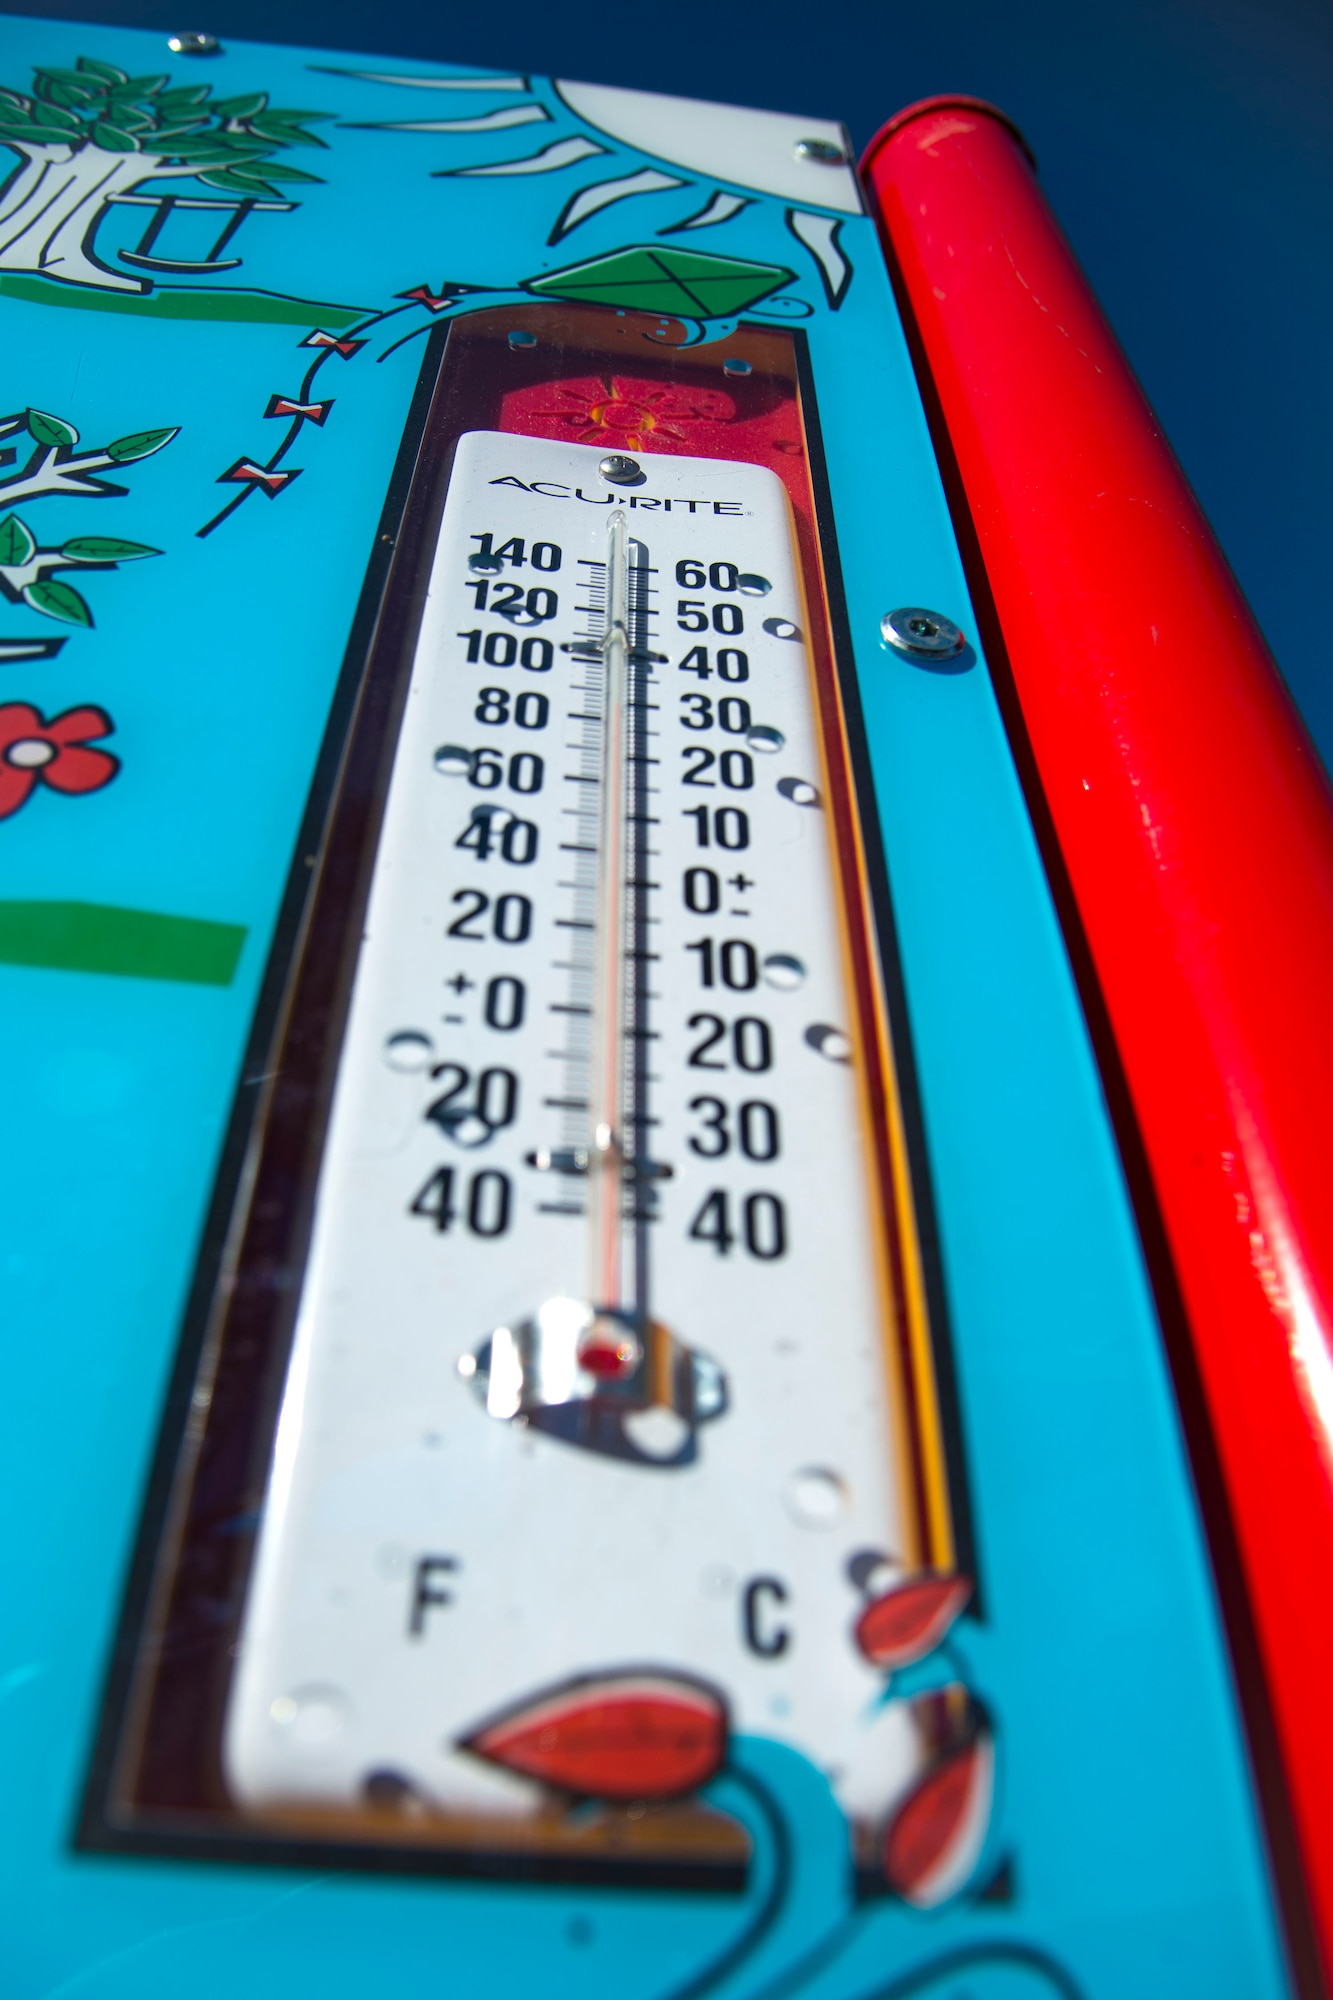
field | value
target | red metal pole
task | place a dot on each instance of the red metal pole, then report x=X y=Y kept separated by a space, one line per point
x=1195 y=825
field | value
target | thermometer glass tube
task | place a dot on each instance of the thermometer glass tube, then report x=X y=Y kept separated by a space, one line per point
x=605 y=1410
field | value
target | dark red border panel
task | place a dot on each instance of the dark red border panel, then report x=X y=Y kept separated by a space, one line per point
x=1196 y=828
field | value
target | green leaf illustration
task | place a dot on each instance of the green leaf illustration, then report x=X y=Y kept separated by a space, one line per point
x=201 y=152
x=22 y=135
x=98 y=548
x=168 y=144
x=140 y=86
x=268 y=127
x=240 y=107
x=69 y=96
x=198 y=149
x=57 y=600
x=107 y=72
x=232 y=146
x=51 y=430
x=230 y=182
x=113 y=140
x=55 y=115
x=251 y=169
x=18 y=544
x=239 y=143
x=139 y=444
x=271 y=171
x=183 y=94
x=129 y=118
x=50 y=73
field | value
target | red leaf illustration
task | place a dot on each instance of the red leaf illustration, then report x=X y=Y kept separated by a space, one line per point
x=613 y=1736
x=910 y=1620
x=935 y=1839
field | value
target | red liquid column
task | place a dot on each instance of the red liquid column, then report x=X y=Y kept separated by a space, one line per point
x=1195 y=825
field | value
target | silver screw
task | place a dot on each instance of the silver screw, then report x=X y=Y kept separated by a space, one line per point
x=194 y=43
x=822 y=150
x=617 y=470
x=922 y=635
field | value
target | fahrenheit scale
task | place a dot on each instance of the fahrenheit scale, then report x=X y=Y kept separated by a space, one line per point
x=597 y=1433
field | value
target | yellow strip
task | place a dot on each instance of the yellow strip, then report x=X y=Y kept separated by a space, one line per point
x=936 y=1547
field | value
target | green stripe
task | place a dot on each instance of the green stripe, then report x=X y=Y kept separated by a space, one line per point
x=184 y=302
x=139 y=944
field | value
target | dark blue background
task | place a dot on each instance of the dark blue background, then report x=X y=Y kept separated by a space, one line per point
x=1187 y=146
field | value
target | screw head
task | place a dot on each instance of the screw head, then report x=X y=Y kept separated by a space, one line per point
x=821 y=150
x=617 y=470
x=195 y=42
x=920 y=634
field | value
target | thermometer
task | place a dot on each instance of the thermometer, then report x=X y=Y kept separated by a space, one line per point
x=609 y=1408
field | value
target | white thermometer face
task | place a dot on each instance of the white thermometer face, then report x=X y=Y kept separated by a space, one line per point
x=593 y=1383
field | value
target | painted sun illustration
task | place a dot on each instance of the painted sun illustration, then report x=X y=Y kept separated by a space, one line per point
x=638 y=415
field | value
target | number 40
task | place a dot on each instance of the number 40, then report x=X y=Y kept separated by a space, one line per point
x=763 y=1224
x=487 y=1207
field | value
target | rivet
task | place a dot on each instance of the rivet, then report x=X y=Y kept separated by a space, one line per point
x=922 y=635
x=617 y=470
x=520 y=337
x=194 y=43
x=822 y=150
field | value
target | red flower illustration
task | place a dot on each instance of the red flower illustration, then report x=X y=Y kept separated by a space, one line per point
x=33 y=751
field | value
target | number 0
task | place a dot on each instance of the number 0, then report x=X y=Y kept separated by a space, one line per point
x=764 y=1225
x=506 y=1003
x=488 y=1203
x=513 y=919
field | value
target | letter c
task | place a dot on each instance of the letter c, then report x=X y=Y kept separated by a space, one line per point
x=767 y=1640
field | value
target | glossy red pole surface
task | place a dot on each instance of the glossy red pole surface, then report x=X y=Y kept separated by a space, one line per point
x=1196 y=827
